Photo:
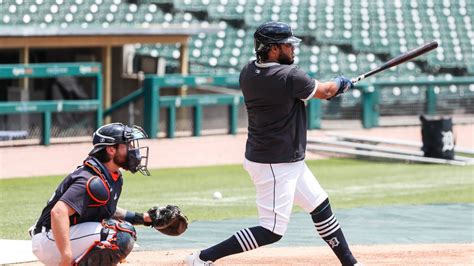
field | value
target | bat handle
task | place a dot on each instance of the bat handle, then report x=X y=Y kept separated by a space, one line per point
x=359 y=78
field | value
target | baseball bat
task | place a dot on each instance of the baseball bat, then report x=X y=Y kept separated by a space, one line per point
x=398 y=60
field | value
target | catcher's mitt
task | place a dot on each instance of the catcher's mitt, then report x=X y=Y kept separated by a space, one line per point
x=168 y=220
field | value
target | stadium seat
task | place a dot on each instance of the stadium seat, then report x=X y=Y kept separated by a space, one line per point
x=334 y=25
x=193 y=5
x=361 y=32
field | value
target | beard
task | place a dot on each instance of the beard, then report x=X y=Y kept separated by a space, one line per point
x=284 y=59
x=120 y=160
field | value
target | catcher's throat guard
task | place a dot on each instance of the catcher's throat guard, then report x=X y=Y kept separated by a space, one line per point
x=117 y=240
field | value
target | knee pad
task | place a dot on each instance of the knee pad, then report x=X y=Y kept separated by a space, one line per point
x=113 y=248
x=99 y=256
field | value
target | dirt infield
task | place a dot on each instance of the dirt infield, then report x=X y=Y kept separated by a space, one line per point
x=424 y=254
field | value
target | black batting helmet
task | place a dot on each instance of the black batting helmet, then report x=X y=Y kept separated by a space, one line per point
x=115 y=133
x=273 y=33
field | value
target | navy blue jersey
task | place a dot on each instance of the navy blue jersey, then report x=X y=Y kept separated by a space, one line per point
x=72 y=190
x=274 y=97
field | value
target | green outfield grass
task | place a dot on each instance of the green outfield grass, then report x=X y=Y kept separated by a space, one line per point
x=349 y=183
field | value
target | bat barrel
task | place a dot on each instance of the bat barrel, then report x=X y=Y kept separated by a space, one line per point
x=399 y=59
x=414 y=53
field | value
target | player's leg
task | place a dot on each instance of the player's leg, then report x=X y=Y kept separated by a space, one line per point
x=312 y=197
x=82 y=236
x=242 y=241
x=275 y=186
x=117 y=240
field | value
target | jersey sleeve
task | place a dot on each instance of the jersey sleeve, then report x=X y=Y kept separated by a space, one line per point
x=302 y=86
x=76 y=196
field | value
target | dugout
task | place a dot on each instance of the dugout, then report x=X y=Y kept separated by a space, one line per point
x=25 y=45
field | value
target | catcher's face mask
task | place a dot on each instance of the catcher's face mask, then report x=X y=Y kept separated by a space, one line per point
x=118 y=133
x=137 y=157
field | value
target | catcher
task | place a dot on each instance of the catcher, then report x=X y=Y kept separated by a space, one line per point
x=81 y=223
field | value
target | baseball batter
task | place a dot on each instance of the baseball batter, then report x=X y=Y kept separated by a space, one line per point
x=78 y=224
x=275 y=92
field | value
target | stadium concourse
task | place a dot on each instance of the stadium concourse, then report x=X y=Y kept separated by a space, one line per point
x=187 y=151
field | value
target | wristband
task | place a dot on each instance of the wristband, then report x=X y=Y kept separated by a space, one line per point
x=134 y=217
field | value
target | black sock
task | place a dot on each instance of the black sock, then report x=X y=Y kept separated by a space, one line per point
x=328 y=228
x=243 y=240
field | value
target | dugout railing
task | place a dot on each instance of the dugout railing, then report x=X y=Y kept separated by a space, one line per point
x=153 y=102
x=370 y=100
x=47 y=107
x=430 y=95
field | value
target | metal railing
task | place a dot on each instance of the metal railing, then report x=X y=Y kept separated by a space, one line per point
x=153 y=101
x=47 y=107
x=371 y=95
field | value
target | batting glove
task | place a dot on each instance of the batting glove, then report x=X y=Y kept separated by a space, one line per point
x=343 y=84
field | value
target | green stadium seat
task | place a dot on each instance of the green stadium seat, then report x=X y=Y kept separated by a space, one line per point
x=351 y=99
x=388 y=96
x=170 y=2
x=334 y=22
x=193 y=5
x=425 y=21
x=360 y=32
x=227 y=10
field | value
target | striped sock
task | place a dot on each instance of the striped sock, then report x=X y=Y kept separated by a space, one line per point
x=328 y=228
x=243 y=240
x=246 y=239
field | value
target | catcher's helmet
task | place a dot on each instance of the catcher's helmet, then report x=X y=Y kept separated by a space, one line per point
x=115 y=133
x=273 y=33
x=118 y=133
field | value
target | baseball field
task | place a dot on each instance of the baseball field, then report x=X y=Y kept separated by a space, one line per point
x=376 y=190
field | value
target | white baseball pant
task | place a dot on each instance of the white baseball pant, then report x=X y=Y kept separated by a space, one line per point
x=82 y=236
x=280 y=185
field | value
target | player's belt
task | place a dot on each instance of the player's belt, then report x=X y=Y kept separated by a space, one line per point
x=104 y=232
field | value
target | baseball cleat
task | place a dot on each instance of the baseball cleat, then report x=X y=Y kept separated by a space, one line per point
x=193 y=259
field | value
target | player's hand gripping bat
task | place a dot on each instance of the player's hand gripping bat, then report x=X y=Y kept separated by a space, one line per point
x=398 y=60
